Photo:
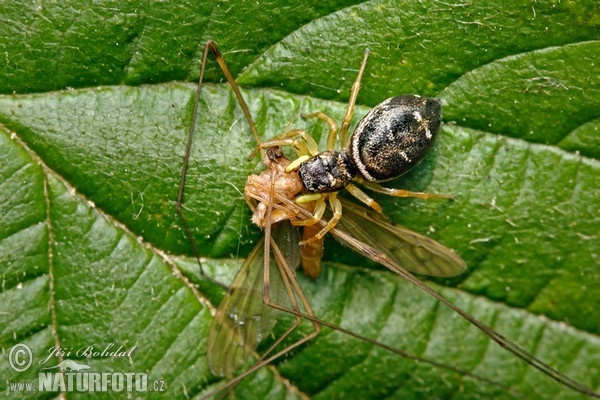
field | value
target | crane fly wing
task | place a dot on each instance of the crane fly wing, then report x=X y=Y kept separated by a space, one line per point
x=287 y=238
x=411 y=250
x=243 y=320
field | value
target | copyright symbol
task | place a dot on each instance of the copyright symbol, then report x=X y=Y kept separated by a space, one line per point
x=20 y=357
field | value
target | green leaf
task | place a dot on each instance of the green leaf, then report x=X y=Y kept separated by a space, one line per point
x=92 y=252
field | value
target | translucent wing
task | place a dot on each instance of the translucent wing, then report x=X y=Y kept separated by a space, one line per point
x=243 y=320
x=411 y=250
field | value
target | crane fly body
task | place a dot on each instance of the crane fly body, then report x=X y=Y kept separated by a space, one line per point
x=302 y=192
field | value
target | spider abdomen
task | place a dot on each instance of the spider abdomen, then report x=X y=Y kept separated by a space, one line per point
x=394 y=136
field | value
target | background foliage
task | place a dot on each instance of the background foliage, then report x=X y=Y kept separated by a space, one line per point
x=94 y=113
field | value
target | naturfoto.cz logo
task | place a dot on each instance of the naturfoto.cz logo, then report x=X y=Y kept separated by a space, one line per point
x=64 y=374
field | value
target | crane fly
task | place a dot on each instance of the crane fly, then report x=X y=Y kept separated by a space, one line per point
x=291 y=194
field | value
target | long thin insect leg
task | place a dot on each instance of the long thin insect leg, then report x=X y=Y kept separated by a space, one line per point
x=291 y=286
x=210 y=45
x=221 y=61
x=290 y=283
x=510 y=346
x=186 y=159
x=309 y=315
x=401 y=353
x=287 y=275
x=282 y=264
x=289 y=280
x=352 y=101
x=504 y=342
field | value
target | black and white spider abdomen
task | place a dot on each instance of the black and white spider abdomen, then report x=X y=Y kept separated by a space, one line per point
x=394 y=136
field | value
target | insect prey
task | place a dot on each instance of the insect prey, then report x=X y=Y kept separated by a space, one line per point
x=303 y=192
